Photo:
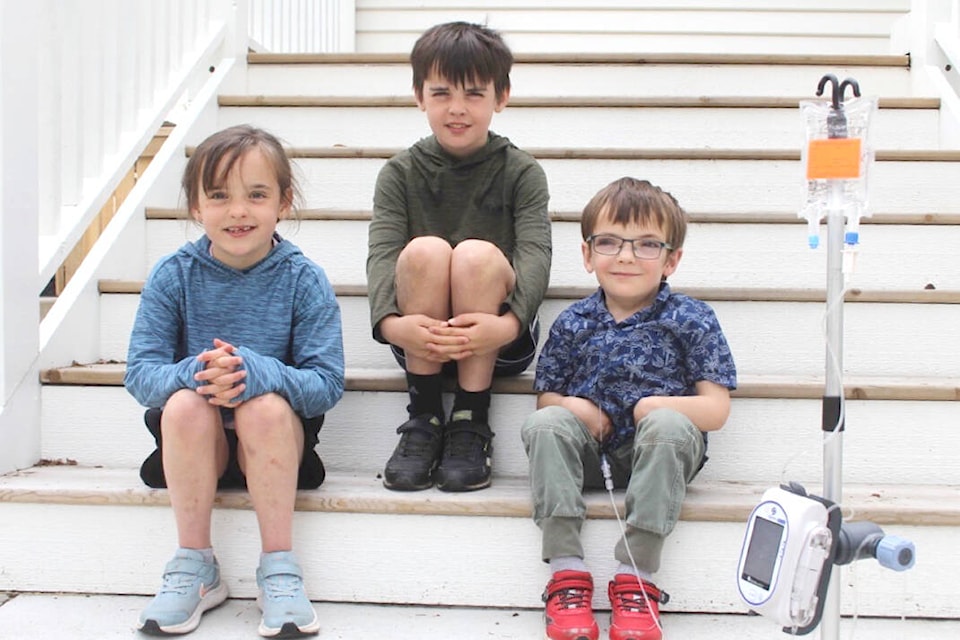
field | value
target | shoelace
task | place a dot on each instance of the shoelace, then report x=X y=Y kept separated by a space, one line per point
x=573 y=598
x=281 y=585
x=177 y=582
x=631 y=601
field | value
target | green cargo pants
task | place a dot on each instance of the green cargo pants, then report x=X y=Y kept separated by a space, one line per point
x=655 y=469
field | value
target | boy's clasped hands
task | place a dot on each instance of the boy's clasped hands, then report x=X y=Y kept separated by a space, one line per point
x=460 y=337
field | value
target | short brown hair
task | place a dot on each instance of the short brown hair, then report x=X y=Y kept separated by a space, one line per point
x=213 y=159
x=629 y=200
x=462 y=52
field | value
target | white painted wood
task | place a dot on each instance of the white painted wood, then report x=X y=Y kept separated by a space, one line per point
x=107 y=617
x=561 y=80
x=715 y=254
x=19 y=169
x=302 y=26
x=659 y=128
x=540 y=26
x=342 y=557
x=889 y=442
x=700 y=185
x=773 y=338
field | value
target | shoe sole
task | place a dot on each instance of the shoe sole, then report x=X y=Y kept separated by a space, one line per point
x=402 y=486
x=457 y=487
x=212 y=600
x=291 y=629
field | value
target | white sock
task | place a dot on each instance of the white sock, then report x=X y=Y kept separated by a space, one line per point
x=567 y=563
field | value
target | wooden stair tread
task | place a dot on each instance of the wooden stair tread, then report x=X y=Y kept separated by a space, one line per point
x=627 y=102
x=603 y=153
x=729 y=217
x=709 y=294
x=817 y=60
x=793 y=387
x=925 y=505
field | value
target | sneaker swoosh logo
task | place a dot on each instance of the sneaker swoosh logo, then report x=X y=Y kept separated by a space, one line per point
x=204 y=590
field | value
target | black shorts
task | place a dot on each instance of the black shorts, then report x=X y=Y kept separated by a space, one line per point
x=512 y=360
x=311 y=473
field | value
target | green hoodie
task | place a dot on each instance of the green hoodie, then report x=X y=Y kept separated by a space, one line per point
x=498 y=194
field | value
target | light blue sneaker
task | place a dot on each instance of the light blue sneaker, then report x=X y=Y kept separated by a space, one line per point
x=190 y=587
x=287 y=612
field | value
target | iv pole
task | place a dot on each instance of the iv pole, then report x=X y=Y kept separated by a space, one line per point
x=832 y=420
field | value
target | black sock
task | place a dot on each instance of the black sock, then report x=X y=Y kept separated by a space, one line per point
x=477 y=402
x=425 y=395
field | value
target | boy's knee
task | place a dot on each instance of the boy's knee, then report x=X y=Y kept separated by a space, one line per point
x=666 y=426
x=477 y=259
x=548 y=422
x=422 y=251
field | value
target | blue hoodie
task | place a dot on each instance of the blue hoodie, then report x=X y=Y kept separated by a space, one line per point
x=281 y=314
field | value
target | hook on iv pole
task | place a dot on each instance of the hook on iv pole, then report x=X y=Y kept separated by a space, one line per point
x=839 y=88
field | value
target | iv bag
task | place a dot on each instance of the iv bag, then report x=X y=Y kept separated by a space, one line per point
x=836 y=158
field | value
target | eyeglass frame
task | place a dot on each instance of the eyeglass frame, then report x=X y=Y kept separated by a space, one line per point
x=633 y=245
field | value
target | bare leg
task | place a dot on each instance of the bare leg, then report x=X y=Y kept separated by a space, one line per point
x=423 y=286
x=195 y=454
x=270 y=448
x=481 y=278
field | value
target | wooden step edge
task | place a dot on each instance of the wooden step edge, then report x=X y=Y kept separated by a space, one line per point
x=708 y=294
x=917 y=505
x=699 y=59
x=709 y=217
x=749 y=386
x=692 y=154
x=567 y=102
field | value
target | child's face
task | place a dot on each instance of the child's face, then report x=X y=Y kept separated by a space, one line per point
x=241 y=215
x=460 y=115
x=629 y=283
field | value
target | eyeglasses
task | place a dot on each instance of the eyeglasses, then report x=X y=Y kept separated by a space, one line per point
x=643 y=248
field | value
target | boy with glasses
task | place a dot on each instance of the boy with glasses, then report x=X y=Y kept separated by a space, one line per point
x=629 y=381
x=458 y=260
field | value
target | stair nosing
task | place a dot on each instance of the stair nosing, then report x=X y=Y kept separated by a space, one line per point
x=710 y=217
x=579 y=59
x=568 y=102
x=708 y=294
x=929 y=505
x=110 y=374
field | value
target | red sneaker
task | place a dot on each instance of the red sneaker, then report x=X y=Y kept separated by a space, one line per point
x=568 y=612
x=633 y=615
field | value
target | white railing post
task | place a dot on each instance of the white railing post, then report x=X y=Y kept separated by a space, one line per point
x=303 y=26
x=19 y=172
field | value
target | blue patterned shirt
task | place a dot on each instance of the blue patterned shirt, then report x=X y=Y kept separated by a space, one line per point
x=663 y=350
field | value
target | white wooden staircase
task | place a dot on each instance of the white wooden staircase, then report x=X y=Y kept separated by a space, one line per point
x=722 y=132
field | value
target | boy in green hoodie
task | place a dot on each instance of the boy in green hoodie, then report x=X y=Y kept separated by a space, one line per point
x=458 y=259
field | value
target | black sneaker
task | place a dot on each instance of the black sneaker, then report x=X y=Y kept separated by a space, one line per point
x=411 y=466
x=465 y=465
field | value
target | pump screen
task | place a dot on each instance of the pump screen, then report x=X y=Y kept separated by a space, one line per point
x=762 y=552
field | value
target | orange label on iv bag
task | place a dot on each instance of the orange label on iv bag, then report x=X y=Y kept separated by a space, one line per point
x=833 y=159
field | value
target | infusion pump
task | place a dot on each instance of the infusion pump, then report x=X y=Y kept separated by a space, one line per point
x=788 y=544
x=791 y=543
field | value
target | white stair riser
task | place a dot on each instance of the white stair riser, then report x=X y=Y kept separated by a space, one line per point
x=562 y=80
x=425 y=559
x=746 y=186
x=660 y=128
x=781 y=439
x=779 y=338
x=715 y=254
